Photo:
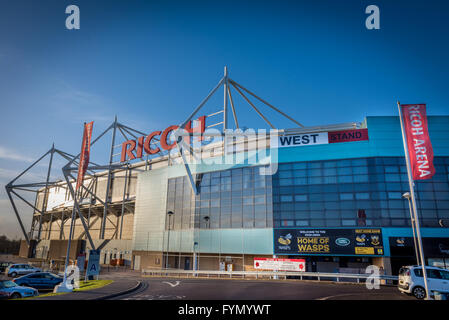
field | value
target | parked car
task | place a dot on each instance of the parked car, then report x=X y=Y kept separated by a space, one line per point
x=39 y=280
x=14 y=291
x=411 y=280
x=3 y=295
x=15 y=270
x=4 y=265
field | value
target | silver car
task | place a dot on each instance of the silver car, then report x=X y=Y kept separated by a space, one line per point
x=21 y=269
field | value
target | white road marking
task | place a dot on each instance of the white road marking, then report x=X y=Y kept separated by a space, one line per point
x=337 y=295
x=155 y=297
x=171 y=284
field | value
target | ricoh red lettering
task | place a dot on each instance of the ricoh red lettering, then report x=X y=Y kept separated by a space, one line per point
x=144 y=143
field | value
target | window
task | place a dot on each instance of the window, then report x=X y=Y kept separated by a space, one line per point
x=330 y=171
x=300 y=197
x=348 y=223
x=330 y=179
x=391 y=169
x=360 y=170
x=346 y=196
x=345 y=179
x=394 y=195
x=433 y=274
x=362 y=196
x=285 y=174
x=286 y=198
x=285 y=182
x=444 y=274
x=392 y=177
x=344 y=171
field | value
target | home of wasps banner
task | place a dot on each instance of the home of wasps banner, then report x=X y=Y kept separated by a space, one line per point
x=360 y=241
x=418 y=141
x=85 y=152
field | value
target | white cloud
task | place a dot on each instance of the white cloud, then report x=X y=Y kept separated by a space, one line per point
x=6 y=174
x=9 y=154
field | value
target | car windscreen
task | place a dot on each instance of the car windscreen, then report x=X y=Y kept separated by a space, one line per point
x=403 y=271
x=9 y=284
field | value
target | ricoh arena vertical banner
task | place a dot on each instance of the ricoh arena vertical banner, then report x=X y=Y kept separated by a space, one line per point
x=85 y=153
x=418 y=141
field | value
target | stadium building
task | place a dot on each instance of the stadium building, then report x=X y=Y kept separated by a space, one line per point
x=334 y=198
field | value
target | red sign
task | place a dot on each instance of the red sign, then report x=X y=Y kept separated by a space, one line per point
x=418 y=141
x=280 y=264
x=144 y=143
x=85 y=152
x=348 y=135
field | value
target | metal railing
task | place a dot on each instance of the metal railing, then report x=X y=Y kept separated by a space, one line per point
x=274 y=275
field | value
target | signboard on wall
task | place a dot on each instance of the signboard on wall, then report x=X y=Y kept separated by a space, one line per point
x=280 y=264
x=93 y=264
x=318 y=138
x=362 y=241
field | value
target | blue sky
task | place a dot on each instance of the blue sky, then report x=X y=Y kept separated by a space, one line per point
x=151 y=62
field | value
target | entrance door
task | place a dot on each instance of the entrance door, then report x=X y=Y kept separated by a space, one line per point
x=187 y=263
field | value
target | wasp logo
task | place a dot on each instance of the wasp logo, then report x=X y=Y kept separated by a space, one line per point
x=285 y=240
x=361 y=238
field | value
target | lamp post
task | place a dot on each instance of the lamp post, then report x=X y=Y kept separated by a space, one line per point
x=195 y=266
x=408 y=197
x=169 y=214
x=207 y=221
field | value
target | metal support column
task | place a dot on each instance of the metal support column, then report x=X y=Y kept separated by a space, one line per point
x=108 y=184
x=123 y=201
x=18 y=216
x=44 y=201
x=225 y=102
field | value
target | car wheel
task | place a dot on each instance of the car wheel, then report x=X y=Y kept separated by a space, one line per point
x=16 y=295
x=14 y=274
x=419 y=292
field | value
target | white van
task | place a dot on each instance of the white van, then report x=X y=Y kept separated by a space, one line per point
x=411 y=280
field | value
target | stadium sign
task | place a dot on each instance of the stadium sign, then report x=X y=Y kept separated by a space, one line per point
x=133 y=149
x=317 y=138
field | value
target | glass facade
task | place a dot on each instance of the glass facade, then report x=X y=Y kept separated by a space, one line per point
x=331 y=193
x=356 y=192
x=235 y=198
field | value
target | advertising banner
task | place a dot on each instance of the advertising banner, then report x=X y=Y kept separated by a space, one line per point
x=363 y=241
x=318 y=138
x=418 y=141
x=280 y=264
x=85 y=153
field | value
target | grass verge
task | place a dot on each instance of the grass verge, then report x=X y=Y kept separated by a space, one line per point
x=84 y=286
